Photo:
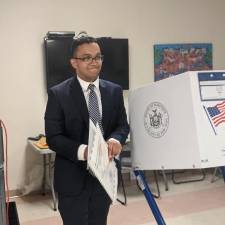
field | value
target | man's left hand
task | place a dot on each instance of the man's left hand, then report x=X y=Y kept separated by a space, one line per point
x=114 y=148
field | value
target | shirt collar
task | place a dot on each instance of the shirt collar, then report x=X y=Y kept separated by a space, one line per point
x=85 y=84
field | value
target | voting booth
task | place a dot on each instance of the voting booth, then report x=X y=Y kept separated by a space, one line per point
x=179 y=122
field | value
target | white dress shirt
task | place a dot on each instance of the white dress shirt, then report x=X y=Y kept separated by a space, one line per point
x=84 y=85
x=86 y=91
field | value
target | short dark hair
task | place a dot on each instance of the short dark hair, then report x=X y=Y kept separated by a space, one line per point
x=77 y=41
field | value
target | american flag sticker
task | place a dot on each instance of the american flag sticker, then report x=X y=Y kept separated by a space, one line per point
x=217 y=113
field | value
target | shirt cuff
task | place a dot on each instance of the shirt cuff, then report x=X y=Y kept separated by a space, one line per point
x=80 y=152
x=113 y=139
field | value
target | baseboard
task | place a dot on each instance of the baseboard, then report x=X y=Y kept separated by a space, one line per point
x=19 y=193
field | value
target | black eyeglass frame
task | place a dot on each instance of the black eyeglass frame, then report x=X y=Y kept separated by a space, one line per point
x=89 y=59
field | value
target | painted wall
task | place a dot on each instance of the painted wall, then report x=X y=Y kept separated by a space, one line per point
x=24 y=24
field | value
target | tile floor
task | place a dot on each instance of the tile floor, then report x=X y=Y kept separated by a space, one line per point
x=196 y=203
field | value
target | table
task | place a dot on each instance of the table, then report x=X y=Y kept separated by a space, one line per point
x=47 y=154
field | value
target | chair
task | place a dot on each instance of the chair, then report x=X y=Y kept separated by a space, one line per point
x=125 y=160
x=188 y=180
x=217 y=172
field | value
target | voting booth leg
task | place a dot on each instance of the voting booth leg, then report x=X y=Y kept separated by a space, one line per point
x=149 y=197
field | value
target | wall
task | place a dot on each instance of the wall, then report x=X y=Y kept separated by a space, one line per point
x=24 y=23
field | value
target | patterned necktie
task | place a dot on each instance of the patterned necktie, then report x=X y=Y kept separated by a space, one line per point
x=93 y=107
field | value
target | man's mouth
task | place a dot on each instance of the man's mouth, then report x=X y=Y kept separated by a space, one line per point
x=93 y=68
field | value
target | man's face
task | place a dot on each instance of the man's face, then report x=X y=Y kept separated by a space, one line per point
x=86 y=61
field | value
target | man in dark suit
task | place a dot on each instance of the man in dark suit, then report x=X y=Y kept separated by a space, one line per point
x=82 y=200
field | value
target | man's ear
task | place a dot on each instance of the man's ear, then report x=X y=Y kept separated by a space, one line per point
x=73 y=63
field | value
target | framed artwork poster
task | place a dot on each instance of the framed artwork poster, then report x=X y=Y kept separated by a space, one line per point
x=173 y=59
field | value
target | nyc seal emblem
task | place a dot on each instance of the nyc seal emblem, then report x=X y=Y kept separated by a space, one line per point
x=156 y=119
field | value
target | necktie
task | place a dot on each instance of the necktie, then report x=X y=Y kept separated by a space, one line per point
x=93 y=107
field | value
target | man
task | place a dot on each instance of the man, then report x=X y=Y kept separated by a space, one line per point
x=82 y=200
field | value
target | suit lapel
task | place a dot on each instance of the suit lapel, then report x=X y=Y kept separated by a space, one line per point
x=79 y=100
x=105 y=98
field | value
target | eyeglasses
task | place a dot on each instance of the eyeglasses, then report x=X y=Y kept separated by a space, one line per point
x=89 y=59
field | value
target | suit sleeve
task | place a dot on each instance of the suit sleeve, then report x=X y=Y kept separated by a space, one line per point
x=55 y=129
x=121 y=127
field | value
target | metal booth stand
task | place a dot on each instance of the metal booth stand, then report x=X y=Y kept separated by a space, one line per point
x=149 y=197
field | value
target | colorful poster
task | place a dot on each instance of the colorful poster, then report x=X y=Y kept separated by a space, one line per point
x=173 y=59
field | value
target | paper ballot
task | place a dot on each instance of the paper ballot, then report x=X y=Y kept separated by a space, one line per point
x=98 y=161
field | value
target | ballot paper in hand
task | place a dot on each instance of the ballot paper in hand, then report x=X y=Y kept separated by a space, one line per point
x=99 y=163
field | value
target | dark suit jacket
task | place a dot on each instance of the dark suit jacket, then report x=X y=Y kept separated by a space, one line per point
x=67 y=127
